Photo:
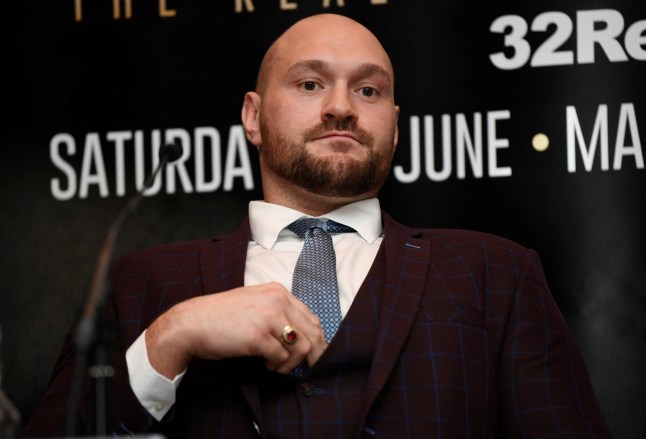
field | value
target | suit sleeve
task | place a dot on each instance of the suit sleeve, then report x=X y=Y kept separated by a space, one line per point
x=544 y=386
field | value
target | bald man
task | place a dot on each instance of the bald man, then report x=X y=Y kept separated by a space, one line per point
x=444 y=333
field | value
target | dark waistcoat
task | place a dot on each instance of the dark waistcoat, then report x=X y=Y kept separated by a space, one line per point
x=334 y=389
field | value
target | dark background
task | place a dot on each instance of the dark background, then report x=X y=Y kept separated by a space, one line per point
x=147 y=72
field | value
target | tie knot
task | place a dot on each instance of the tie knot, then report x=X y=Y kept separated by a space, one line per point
x=301 y=226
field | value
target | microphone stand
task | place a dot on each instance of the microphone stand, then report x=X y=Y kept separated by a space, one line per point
x=87 y=334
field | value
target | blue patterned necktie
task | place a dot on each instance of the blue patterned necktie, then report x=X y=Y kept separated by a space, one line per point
x=314 y=281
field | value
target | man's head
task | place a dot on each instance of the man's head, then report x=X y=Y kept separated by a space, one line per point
x=323 y=114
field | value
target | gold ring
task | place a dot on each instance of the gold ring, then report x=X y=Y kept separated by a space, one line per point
x=289 y=335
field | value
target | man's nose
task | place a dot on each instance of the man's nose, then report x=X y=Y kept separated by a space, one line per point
x=339 y=104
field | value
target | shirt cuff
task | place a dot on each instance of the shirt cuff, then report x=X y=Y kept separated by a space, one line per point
x=153 y=390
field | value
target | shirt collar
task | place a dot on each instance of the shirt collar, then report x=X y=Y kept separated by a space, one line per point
x=267 y=220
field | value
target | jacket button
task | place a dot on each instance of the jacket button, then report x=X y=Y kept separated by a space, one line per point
x=306 y=389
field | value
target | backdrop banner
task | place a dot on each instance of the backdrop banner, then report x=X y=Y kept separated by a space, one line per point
x=522 y=119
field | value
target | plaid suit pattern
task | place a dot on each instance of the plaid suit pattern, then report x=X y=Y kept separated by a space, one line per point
x=469 y=344
x=488 y=332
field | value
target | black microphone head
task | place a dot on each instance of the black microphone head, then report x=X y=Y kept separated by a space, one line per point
x=172 y=151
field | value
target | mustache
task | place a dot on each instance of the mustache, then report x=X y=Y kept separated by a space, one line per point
x=347 y=125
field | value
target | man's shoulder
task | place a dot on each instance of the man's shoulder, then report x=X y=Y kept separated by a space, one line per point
x=465 y=236
x=453 y=250
x=174 y=247
x=187 y=247
x=451 y=238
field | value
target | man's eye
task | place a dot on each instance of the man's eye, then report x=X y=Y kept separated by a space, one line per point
x=309 y=85
x=368 y=91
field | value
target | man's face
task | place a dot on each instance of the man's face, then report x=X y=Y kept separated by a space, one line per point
x=327 y=119
x=330 y=169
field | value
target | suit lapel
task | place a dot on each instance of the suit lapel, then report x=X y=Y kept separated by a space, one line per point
x=222 y=261
x=407 y=261
x=222 y=265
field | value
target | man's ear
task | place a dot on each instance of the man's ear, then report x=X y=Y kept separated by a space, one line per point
x=250 y=117
x=396 y=136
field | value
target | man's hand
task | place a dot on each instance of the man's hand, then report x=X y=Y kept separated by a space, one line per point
x=242 y=322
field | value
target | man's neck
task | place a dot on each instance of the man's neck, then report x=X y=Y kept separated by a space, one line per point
x=310 y=203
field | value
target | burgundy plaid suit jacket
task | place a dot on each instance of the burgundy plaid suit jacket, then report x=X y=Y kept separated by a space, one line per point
x=470 y=343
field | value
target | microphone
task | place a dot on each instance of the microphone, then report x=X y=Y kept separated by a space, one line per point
x=86 y=331
x=168 y=153
x=172 y=151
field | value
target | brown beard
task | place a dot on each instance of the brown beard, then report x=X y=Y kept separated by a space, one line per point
x=329 y=176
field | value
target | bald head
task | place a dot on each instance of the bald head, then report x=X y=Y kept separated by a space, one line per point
x=312 y=36
x=323 y=115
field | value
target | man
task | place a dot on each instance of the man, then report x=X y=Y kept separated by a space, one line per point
x=444 y=334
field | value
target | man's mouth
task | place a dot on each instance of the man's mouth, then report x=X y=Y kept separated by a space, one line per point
x=338 y=135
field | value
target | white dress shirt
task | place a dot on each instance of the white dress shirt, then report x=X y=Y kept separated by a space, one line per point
x=271 y=257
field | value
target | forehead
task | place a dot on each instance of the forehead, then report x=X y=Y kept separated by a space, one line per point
x=334 y=45
x=350 y=66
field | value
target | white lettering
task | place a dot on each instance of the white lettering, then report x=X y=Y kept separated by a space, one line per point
x=575 y=136
x=237 y=150
x=119 y=138
x=514 y=39
x=429 y=143
x=415 y=162
x=92 y=157
x=494 y=143
x=178 y=135
x=547 y=54
x=635 y=40
x=627 y=118
x=588 y=34
x=201 y=135
x=469 y=148
x=58 y=161
x=152 y=188
x=472 y=146
x=134 y=153
x=600 y=28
